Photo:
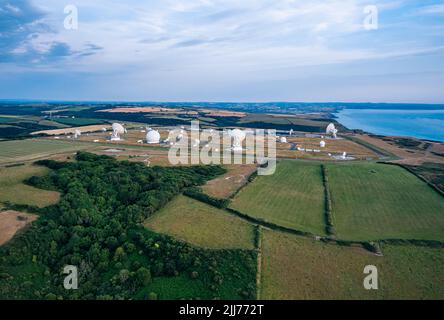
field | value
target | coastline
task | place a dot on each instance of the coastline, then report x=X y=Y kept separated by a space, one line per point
x=425 y=125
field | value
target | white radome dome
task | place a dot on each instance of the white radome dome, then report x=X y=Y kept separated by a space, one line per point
x=153 y=137
x=322 y=144
x=283 y=140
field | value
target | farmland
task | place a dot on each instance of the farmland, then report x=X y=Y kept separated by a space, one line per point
x=201 y=225
x=374 y=201
x=30 y=149
x=127 y=215
x=225 y=185
x=292 y=197
x=78 y=121
x=13 y=190
x=299 y=268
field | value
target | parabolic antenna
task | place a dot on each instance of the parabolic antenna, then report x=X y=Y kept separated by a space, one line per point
x=331 y=130
x=118 y=130
x=237 y=136
x=77 y=134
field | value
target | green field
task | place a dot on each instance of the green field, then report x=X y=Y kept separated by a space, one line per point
x=298 y=268
x=13 y=190
x=292 y=197
x=22 y=150
x=7 y=119
x=375 y=201
x=202 y=225
x=79 y=121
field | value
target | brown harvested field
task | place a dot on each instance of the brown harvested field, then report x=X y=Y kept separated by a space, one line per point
x=11 y=222
x=333 y=146
x=131 y=138
x=83 y=129
x=408 y=156
x=300 y=268
x=223 y=113
x=224 y=186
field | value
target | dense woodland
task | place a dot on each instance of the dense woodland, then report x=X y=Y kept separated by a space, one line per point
x=96 y=226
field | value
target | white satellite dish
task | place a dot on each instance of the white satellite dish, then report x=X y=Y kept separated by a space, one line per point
x=118 y=130
x=331 y=130
x=77 y=134
x=322 y=144
x=237 y=136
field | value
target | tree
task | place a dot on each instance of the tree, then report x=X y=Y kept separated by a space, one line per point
x=119 y=254
x=143 y=276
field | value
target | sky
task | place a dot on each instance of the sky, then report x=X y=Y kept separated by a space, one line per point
x=231 y=50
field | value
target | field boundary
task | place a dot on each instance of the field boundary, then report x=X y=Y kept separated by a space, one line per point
x=370 y=245
x=249 y=180
x=196 y=193
x=329 y=228
x=258 y=244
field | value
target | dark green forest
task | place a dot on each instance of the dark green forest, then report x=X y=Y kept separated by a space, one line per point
x=96 y=227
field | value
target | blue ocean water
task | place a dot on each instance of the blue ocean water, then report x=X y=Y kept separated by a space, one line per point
x=423 y=124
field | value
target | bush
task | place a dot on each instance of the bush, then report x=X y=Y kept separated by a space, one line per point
x=152 y=296
x=197 y=194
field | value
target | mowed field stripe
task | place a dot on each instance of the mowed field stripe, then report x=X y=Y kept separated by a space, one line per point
x=293 y=197
x=376 y=201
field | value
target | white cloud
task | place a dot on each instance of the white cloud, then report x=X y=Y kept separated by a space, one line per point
x=204 y=37
x=437 y=9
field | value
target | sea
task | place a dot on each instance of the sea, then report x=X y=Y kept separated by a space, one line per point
x=422 y=124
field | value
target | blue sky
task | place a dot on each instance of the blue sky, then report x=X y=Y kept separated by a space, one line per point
x=212 y=50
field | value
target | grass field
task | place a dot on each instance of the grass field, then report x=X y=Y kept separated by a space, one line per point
x=202 y=225
x=292 y=197
x=375 y=201
x=224 y=186
x=23 y=150
x=299 y=268
x=13 y=190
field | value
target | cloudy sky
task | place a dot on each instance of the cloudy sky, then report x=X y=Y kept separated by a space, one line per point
x=230 y=50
